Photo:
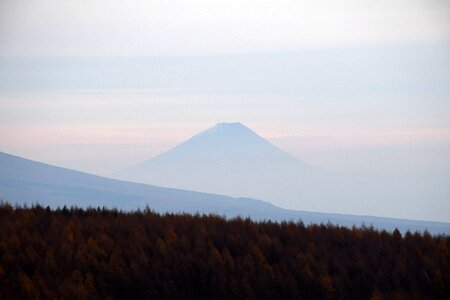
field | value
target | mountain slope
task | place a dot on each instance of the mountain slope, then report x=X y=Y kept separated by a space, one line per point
x=25 y=181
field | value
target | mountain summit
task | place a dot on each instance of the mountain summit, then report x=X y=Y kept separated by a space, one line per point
x=224 y=127
x=224 y=144
x=230 y=132
x=230 y=159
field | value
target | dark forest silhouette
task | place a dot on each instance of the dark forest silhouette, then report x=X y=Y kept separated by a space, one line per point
x=99 y=253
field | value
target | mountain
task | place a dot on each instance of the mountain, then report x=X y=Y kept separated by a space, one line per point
x=231 y=159
x=23 y=181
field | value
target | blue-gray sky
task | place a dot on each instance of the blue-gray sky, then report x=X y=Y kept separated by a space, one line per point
x=356 y=87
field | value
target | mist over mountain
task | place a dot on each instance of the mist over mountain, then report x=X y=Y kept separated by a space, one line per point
x=231 y=159
x=23 y=181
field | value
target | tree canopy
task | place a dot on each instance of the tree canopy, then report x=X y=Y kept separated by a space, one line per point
x=73 y=253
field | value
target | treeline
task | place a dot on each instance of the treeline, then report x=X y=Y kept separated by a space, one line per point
x=99 y=253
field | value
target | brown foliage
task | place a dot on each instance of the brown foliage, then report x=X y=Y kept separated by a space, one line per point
x=99 y=253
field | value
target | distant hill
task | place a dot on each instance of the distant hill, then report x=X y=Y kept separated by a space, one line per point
x=25 y=181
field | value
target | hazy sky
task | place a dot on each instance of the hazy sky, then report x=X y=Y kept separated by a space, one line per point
x=356 y=87
x=130 y=28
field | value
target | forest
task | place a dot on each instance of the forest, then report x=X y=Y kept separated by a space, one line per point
x=99 y=253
